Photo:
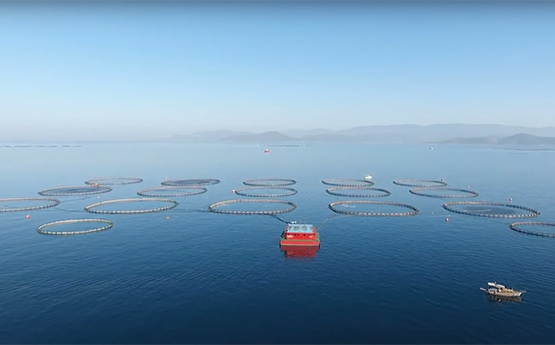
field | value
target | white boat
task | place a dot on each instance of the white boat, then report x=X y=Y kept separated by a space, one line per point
x=499 y=290
x=368 y=177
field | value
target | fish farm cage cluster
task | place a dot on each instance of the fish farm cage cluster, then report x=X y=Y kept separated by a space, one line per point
x=267 y=191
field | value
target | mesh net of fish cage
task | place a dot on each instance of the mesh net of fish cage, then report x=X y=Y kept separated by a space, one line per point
x=439 y=192
x=25 y=204
x=75 y=190
x=172 y=191
x=107 y=207
x=270 y=182
x=191 y=182
x=347 y=182
x=71 y=227
x=264 y=192
x=114 y=181
x=491 y=209
x=349 y=207
x=358 y=192
x=526 y=228
x=251 y=207
x=419 y=183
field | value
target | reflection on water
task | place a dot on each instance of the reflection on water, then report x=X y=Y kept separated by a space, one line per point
x=299 y=251
x=499 y=299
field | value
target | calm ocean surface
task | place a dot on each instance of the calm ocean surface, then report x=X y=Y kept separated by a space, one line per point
x=200 y=277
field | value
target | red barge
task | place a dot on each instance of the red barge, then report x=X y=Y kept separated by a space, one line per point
x=300 y=235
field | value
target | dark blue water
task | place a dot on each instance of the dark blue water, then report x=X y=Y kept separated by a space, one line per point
x=200 y=277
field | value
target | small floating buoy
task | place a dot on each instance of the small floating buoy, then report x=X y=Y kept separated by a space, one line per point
x=447 y=219
x=167 y=217
x=27 y=216
x=510 y=199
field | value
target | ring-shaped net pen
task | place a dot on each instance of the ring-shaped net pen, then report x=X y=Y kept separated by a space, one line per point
x=419 y=183
x=347 y=182
x=6 y=207
x=75 y=190
x=491 y=209
x=358 y=192
x=437 y=192
x=113 y=181
x=278 y=192
x=172 y=191
x=270 y=182
x=191 y=182
x=335 y=207
x=521 y=227
x=45 y=229
x=217 y=207
x=93 y=208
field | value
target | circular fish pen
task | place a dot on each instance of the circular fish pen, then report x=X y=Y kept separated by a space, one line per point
x=270 y=182
x=51 y=202
x=334 y=207
x=75 y=190
x=172 y=191
x=247 y=191
x=216 y=207
x=191 y=182
x=519 y=227
x=419 y=183
x=347 y=182
x=93 y=207
x=114 y=181
x=431 y=192
x=490 y=209
x=44 y=229
x=372 y=192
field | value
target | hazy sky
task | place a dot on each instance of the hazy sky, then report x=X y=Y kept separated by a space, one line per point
x=130 y=69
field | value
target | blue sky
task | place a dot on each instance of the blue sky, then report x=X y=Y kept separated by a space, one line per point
x=136 y=69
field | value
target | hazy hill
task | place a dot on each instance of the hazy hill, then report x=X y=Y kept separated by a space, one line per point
x=266 y=137
x=517 y=139
x=441 y=133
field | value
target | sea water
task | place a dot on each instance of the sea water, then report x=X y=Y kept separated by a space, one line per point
x=190 y=276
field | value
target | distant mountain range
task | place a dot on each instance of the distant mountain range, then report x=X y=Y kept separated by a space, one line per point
x=437 y=134
x=517 y=139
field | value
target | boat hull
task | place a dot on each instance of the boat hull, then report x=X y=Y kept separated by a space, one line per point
x=299 y=243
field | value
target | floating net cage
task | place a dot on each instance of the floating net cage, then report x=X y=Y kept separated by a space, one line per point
x=358 y=192
x=93 y=208
x=522 y=227
x=9 y=204
x=114 y=181
x=172 y=191
x=347 y=182
x=341 y=207
x=419 y=183
x=191 y=182
x=439 y=192
x=491 y=209
x=270 y=182
x=280 y=192
x=46 y=229
x=218 y=207
x=75 y=190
